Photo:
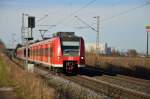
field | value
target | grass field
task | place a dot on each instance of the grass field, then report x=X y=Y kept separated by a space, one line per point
x=136 y=65
x=4 y=78
x=127 y=62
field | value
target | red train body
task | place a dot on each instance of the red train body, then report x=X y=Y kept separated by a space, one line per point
x=65 y=50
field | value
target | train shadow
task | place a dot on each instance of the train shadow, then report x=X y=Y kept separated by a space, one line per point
x=137 y=71
x=90 y=71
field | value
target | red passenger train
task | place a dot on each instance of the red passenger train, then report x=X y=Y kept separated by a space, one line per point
x=65 y=50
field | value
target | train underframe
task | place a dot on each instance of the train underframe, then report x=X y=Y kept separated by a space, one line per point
x=69 y=67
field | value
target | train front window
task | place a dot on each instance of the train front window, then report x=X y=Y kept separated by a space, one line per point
x=70 y=48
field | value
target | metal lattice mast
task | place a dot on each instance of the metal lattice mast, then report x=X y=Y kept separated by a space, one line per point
x=96 y=30
x=22 y=30
x=97 y=37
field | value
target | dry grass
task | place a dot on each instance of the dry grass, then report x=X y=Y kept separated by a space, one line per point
x=126 y=62
x=4 y=79
x=27 y=86
x=131 y=66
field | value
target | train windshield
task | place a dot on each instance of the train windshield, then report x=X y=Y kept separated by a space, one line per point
x=70 y=48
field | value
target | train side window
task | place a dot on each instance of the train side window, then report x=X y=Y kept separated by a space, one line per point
x=37 y=52
x=43 y=52
x=31 y=52
x=34 y=51
x=28 y=52
x=40 y=50
x=25 y=52
x=51 y=52
x=46 y=52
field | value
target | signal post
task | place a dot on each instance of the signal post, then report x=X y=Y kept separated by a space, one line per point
x=28 y=37
x=147 y=30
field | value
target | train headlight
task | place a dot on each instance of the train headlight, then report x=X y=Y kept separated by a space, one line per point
x=82 y=57
x=58 y=57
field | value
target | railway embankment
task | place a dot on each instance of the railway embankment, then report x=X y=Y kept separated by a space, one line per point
x=64 y=88
x=84 y=87
x=16 y=83
x=72 y=87
x=68 y=87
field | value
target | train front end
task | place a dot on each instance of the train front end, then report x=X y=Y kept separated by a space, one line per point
x=72 y=54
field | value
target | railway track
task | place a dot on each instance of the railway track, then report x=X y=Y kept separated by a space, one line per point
x=135 y=80
x=121 y=80
x=125 y=82
x=111 y=90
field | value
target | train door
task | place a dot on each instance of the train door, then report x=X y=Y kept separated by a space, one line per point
x=41 y=52
x=49 y=53
x=33 y=53
x=46 y=53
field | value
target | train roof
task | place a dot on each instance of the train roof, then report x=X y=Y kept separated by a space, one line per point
x=65 y=36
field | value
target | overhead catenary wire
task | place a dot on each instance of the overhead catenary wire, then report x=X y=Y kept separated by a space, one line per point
x=41 y=18
x=119 y=14
x=103 y=20
x=93 y=28
x=125 y=12
x=73 y=13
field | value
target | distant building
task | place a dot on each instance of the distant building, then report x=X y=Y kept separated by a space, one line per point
x=109 y=50
x=103 y=48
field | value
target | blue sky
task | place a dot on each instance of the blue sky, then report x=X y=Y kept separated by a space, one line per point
x=123 y=32
x=67 y=2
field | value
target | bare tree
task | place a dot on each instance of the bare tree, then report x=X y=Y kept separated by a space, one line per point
x=2 y=45
x=132 y=53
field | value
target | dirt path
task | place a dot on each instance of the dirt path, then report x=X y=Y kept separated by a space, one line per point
x=7 y=93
